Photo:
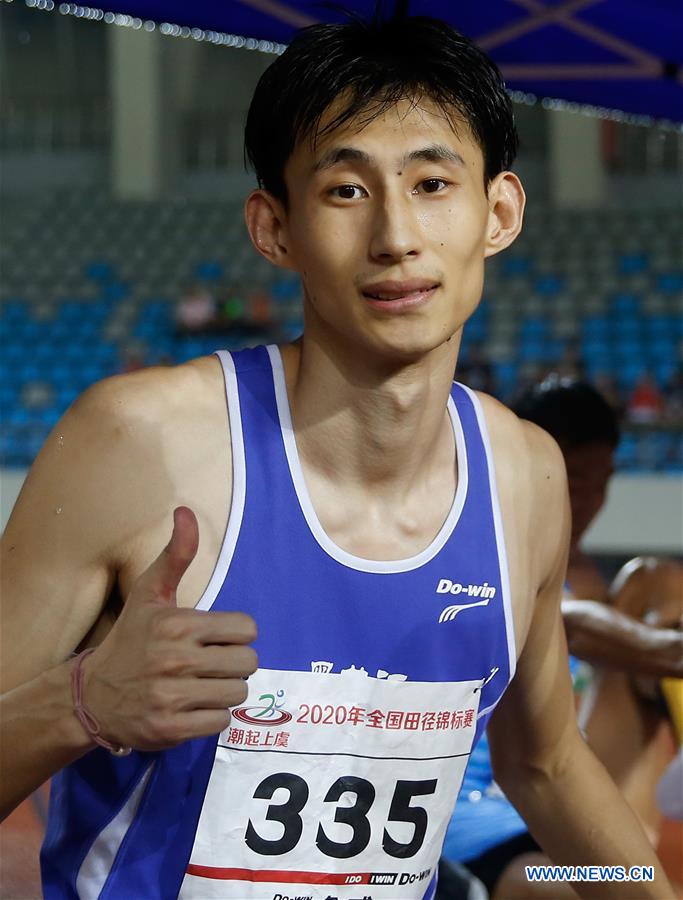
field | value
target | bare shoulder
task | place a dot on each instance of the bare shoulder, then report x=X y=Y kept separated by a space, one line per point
x=110 y=472
x=124 y=402
x=532 y=483
x=131 y=439
x=526 y=449
x=123 y=429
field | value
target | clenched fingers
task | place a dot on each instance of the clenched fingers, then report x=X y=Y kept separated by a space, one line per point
x=183 y=694
x=226 y=628
x=212 y=661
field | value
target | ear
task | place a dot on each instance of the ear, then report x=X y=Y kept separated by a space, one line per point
x=267 y=226
x=506 y=212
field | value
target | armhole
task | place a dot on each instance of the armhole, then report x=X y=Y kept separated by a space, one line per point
x=500 y=535
x=238 y=494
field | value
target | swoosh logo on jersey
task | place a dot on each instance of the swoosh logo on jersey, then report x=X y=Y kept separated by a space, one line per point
x=450 y=612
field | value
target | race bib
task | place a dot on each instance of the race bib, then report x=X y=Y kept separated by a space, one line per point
x=332 y=787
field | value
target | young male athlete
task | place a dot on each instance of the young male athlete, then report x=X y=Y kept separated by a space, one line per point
x=346 y=496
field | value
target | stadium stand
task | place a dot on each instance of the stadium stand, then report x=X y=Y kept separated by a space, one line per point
x=88 y=283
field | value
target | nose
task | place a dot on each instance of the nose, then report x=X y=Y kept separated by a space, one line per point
x=396 y=232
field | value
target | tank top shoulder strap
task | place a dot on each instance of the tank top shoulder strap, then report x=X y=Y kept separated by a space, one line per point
x=483 y=472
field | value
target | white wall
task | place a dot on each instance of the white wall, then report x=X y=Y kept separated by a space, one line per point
x=11 y=481
x=643 y=513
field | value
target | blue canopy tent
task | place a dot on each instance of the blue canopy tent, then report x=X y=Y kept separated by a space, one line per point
x=617 y=54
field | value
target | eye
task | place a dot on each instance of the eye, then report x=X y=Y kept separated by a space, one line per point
x=348 y=192
x=432 y=186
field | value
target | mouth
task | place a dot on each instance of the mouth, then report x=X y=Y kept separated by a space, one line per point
x=395 y=296
x=389 y=291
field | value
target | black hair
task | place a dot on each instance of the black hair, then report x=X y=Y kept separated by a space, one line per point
x=572 y=411
x=372 y=64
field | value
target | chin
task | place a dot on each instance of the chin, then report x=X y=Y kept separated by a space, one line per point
x=411 y=340
x=409 y=348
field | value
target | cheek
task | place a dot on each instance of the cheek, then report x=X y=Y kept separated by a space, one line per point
x=324 y=246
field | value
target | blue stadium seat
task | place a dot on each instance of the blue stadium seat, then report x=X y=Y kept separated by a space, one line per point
x=595 y=349
x=12 y=450
x=596 y=369
x=506 y=374
x=66 y=396
x=534 y=326
x=626 y=456
x=157 y=311
x=28 y=331
x=627 y=348
x=670 y=282
x=674 y=461
x=209 y=270
x=99 y=270
x=516 y=265
x=663 y=349
x=658 y=325
x=116 y=290
x=651 y=449
x=627 y=326
x=625 y=304
x=58 y=332
x=633 y=263
x=595 y=326
x=15 y=310
x=106 y=355
x=548 y=285
x=532 y=350
x=150 y=330
x=628 y=372
x=72 y=311
x=476 y=330
x=60 y=376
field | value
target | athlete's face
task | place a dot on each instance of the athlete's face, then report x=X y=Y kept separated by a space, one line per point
x=589 y=469
x=389 y=225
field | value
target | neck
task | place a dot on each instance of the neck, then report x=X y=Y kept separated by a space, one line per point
x=380 y=425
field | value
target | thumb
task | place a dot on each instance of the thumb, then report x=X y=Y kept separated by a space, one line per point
x=161 y=580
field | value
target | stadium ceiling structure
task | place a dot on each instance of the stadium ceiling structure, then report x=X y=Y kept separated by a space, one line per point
x=615 y=54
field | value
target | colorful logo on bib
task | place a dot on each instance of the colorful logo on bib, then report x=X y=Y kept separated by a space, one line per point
x=269 y=714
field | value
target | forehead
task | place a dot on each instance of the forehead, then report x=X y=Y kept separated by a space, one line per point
x=388 y=135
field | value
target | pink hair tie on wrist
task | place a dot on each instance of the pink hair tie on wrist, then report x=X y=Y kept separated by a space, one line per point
x=83 y=714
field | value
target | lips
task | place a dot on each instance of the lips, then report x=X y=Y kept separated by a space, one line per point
x=397 y=290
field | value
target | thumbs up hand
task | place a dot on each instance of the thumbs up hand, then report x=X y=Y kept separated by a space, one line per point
x=165 y=674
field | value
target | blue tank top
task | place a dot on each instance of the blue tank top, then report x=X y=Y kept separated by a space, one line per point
x=339 y=774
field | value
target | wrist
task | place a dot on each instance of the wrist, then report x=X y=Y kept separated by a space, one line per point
x=57 y=684
x=83 y=713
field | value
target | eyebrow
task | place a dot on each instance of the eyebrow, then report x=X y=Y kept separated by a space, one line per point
x=431 y=153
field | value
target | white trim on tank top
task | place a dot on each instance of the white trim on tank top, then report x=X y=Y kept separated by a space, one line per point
x=100 y=858
x=317 y=530
x=500 y=538
x=239 y=483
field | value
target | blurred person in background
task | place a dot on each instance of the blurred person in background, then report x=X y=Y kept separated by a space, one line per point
x=645 y=403
x=627 y=630
x=195 y=311
x=605 y=384
x=673 y=398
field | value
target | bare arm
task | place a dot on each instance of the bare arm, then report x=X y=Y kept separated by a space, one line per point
x=540 y=759
x=601 y=634
x=155 y=680
x=58 y=567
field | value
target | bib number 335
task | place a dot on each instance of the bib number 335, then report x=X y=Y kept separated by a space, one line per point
x=355 y=815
